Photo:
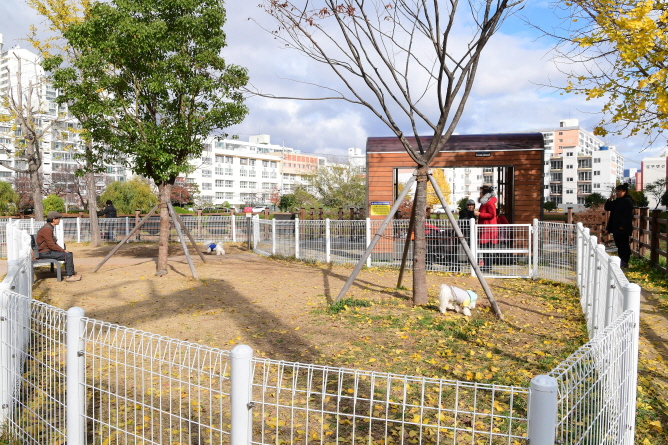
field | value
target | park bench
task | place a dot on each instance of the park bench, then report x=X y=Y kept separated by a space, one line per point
x=37 y=261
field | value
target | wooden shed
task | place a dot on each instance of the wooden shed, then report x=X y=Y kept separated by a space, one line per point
x=517 y=158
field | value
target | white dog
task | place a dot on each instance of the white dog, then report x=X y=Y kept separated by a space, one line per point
x=456 y=299
x=219 y=249
x=215 y=247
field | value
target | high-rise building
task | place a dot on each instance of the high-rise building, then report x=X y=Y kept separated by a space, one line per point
x=652 y=169
x=577 y=164
x=59 y=131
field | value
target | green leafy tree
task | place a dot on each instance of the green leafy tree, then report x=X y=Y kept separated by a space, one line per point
x=594 y=200
x=9 y=199
x=340 y=186
x=461 y=204
x=639 y=198
x=149 y=73
x=129 y=196
x=299 y=198
x=53 y=203
x=550 y=206
x=656 y=190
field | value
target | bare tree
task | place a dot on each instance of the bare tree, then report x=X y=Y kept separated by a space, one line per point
x=24 y=105
x=410 y=62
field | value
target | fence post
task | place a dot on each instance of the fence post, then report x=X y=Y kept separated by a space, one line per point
x=542 y=411
x=535 y=249
x=233 y=222
x=569 y=218
x=297 y=238
x=632 y=303
x=596 y=290
x=256 y=231
x=78 y=229
x=578 y=261
x=328 y=242
x=654 y=241
x=127 y=226
x=32 y=226
x=75 y=374
x=473 y=244
x=643 y=226
x=273 y=236
x=613 y=263
x=368 y=240
x=240 y=394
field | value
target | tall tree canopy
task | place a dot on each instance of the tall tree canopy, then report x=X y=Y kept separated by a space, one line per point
x=340 y=185
x=410 y=63
x=617 y=50
x=150 y=76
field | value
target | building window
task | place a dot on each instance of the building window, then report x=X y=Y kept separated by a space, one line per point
x=265 y=174
x=219 y=171
x=570 y=153
x=206 y=186
x=569 y=166
x=251 y=173
x=220 y=183
x=243 y=172
x=556 y=165
x=220 y=195
x=597 y=173
x=219 y=160
x=597 y=186
x=273 y=164
x=206 y=173
x=229 y=184
x=251 y=162
x=569 y=192
x=243 y=161
x=569 y=179
x=597 y=161
x=584 y=176
x=252 y=185
x=229 y=195
x=243 y=184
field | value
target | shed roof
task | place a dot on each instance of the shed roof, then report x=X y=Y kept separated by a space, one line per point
x=463 y=142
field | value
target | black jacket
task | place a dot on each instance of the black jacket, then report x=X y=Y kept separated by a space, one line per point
x=621 y=215
x=108 y=212
x=466 y=214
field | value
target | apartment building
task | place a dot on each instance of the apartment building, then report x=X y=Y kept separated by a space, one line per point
x=652 y=169
x=60 y=138
x=249 y=173
x=577 y=164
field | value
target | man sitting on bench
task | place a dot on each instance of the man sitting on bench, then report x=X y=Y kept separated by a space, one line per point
x=46 y=244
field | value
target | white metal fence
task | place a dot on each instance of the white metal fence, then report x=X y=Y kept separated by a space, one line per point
x=68 y=378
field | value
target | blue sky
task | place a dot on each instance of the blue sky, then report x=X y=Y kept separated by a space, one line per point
x=507 y=95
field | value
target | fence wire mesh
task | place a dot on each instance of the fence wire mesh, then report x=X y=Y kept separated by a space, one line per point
x=144 y=388
x=556 y=257
x=594 y=386
x=298 y=403
x=32 y=353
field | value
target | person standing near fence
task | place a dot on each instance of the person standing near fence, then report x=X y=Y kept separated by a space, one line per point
x=487 y=216
x=109 y=212
x=620 y=221
x=48 y=247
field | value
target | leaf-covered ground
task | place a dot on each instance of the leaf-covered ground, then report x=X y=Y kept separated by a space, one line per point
x=280 y=308
x=652 y=418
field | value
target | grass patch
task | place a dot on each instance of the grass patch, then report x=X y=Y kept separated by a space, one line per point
x=344 y=304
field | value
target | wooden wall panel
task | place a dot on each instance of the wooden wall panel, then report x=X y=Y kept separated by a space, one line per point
x=521 y=151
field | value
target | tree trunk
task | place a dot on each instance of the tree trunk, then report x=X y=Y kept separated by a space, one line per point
x=36 y=189
x=420 y=296
x=91 y=193
x=164 y=192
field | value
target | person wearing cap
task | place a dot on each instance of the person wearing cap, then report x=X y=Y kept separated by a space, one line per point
x=48 y=247
x=109 y=212
x=620 y=222
x=468 y=212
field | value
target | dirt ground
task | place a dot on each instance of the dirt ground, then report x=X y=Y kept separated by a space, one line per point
x=244 y=298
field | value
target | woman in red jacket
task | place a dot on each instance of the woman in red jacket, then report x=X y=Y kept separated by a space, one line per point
x=488 y=236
